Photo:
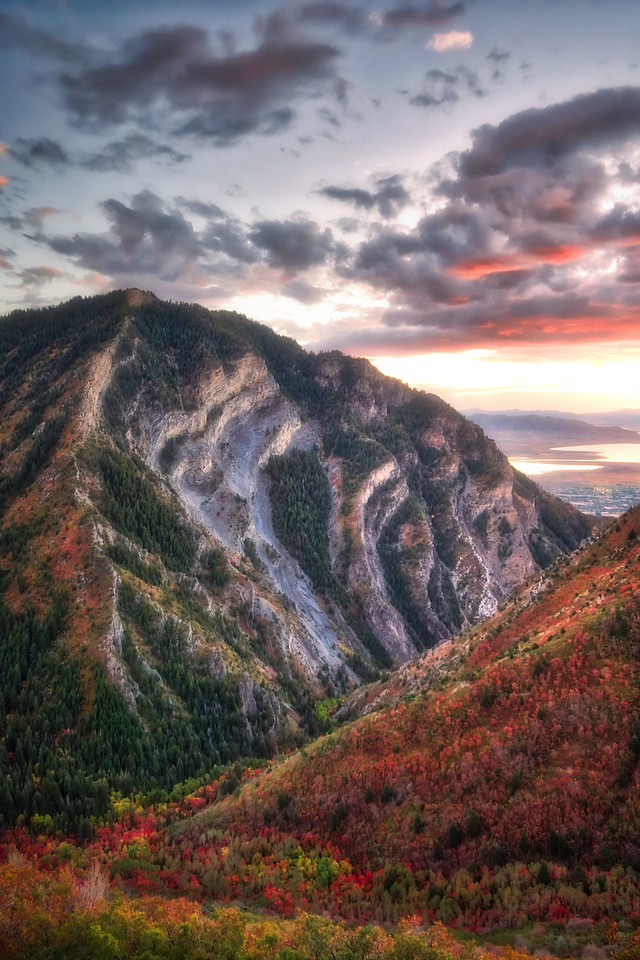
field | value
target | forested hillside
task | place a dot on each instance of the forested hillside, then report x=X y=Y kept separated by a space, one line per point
x=210 y=535
x=492 y=789
x=216 y=548
x=503 y=790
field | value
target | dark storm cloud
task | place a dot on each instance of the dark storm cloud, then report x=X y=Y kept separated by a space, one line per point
x=220 y=95
x=539 y=137
x=149 y=237
x=389 y=197
x=293 y=245
x=228 y=236
x=429 y=15
x=401 y=264
x=619 y=224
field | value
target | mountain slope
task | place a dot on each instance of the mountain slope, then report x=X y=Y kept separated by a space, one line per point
x=206 y=530
x=509 y=788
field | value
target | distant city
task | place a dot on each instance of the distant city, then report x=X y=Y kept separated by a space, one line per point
x=602 y=501
x=593 y=462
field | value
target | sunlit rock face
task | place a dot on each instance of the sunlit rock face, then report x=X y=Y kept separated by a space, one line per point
x=429 y=527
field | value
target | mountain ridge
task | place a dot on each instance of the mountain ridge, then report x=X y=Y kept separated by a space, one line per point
x=149 y=451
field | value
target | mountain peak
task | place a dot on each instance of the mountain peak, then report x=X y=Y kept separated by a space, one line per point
x=220 y=530
x=136 y=297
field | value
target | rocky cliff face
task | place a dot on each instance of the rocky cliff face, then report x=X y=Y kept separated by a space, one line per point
x=429 y=526
x=206 y=531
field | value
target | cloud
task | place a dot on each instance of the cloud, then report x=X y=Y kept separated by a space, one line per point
x=202 y=209
x=330 y=12
x=228 y=236
x=38 y=276
x=40 y=150
x=498 y=56
x=430 y=14
x=18 y=32
x=35 y=216
x=32 y=218
x=443 y=87
x=144 y=238
x=303 y=292
x=148 y=237
x=117 y=155
x=219 y=95
x=475 y=267
x=454 y=40
x=539 y=137
x=520 y=250
x=389 y=197
x=293 y=245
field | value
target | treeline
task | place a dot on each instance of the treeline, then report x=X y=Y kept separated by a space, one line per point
x=300 y=505
x=37 y=455
x=63 y=334
x=132 y=504
x=68 y=737
x=394 y=560
x=209 y=726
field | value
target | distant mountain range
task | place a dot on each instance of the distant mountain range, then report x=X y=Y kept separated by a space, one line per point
x=627 y=418
x=532 y=432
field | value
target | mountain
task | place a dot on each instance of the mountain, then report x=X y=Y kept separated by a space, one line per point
x=494 y=781
x=208 y=533
x=492 y=785
x=628 y=418
x=526 y=432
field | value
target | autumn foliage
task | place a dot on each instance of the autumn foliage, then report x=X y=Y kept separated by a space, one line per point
x=505 y=793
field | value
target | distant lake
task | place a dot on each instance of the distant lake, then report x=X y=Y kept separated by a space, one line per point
x=535 y=468
x=606 y=452
x=584 y=457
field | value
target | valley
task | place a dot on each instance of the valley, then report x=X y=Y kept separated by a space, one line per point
x=594 y=465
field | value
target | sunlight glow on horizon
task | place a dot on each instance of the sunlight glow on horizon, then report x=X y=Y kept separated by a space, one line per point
x=488 y=377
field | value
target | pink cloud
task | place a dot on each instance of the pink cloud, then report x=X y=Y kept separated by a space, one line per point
x=454 y=40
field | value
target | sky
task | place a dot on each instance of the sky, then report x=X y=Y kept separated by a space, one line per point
x=450 y=188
